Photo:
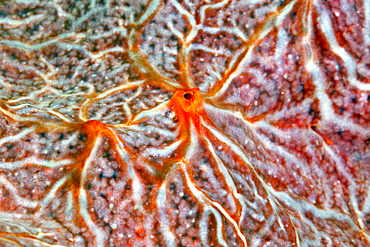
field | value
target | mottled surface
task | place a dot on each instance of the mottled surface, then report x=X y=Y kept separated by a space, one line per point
x=105 y=140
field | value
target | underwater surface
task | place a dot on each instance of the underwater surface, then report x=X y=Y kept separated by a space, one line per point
x=185 y=123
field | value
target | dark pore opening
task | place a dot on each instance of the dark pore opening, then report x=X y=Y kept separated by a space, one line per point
x=188 y=96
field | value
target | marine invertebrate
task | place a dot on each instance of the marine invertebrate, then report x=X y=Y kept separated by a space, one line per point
x=184 y=123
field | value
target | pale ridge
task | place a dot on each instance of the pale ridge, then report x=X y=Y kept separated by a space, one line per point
x=326 y=27
x=100 y=234
x=161 y=199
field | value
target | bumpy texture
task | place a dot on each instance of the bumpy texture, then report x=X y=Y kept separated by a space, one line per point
x=185 y=123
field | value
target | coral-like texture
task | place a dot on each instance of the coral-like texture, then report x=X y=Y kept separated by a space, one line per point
x=185 y=123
